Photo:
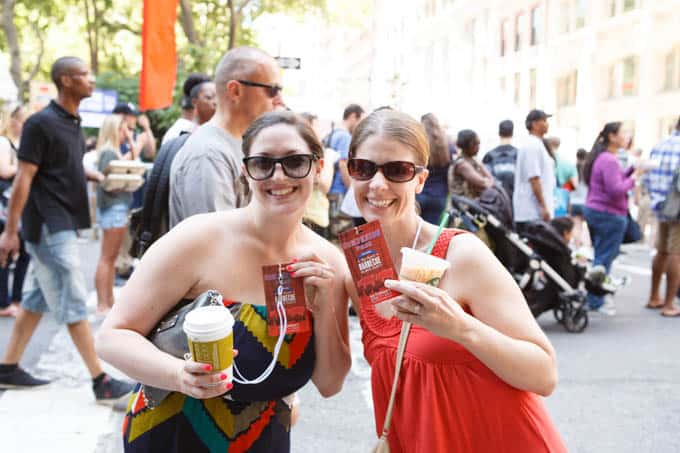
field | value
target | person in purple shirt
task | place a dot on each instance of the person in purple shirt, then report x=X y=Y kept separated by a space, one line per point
x=606 y=205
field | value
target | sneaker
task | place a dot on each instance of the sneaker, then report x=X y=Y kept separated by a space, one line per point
x=110 y=391
x=608 y=308
x=596 y=275
x=20 y=379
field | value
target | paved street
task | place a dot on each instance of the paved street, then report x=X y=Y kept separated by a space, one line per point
x=619 y=386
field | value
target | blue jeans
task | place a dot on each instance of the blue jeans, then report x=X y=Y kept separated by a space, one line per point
x=55 y=281
x=431 y=208
x=606 y=233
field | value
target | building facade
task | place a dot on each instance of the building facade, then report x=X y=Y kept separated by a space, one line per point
x=477 y=62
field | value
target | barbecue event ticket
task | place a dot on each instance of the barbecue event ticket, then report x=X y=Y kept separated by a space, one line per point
x=369 y=262
x=293 y=294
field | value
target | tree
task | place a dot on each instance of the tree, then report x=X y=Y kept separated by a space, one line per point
x=219 y=18
x=16 y=21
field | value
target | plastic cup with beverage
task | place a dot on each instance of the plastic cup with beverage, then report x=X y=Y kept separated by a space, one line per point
x=421 y=267
x=416 y=267
x=211 y=338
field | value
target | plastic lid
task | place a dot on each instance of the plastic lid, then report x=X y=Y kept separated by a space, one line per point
x=204 y=320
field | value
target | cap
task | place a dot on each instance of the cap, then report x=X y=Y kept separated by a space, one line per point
x=125 y=108
x=536 y=115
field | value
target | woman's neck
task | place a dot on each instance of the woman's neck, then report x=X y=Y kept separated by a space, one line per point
x=613 y=149
x=401 y=233
x=278 y=233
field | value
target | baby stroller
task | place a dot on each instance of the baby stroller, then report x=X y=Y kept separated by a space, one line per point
x=537 y=258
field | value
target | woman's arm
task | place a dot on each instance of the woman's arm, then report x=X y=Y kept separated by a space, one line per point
x=473 y=177
x=501 y=332
x=327 y=298
x=8 y=169
x=167 y=272
x=616 y=181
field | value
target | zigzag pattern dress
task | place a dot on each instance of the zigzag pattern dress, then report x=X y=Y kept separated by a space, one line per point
x=255 y=420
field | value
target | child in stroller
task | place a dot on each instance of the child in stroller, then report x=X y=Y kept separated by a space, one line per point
x=537 y=257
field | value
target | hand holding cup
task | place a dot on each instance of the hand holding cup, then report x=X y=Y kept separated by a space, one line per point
x=200 y=381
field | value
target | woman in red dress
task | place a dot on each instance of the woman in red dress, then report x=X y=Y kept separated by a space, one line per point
x=476 y=360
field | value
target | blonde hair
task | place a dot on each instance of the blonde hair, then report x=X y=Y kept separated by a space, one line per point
x=394 y=125
x=7 y=113
x=109 y=135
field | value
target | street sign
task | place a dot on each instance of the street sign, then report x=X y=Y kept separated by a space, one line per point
x=289 y=62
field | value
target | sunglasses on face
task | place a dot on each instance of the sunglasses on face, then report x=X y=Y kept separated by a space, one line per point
x=395 y=171
x=296 y=166
x=272 y=90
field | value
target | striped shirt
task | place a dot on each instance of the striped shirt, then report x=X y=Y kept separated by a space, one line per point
x=658 y=181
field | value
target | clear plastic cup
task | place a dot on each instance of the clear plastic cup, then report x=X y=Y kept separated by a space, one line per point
x=421 y=267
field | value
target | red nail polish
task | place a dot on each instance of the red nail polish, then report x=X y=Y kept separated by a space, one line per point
x=295 y=260
x=223 y=376
x=288 y=268
x=230 y=386
x=292 y=274
x=207 y=367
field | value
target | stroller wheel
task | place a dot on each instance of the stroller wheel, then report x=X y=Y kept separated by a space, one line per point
x=558 y=312
x=576 y=321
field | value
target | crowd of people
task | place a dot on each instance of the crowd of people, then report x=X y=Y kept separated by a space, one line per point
x=252 y=183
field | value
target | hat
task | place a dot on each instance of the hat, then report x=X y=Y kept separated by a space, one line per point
x=535 y=115
x=125 y=108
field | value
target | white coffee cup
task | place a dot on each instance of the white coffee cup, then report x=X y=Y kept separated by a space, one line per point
x=210 y=336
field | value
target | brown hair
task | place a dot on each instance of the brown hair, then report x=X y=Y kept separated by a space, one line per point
x=282 y=117
x=439 y=147
x=396 y=126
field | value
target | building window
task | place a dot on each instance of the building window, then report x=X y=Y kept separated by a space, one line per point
x=505 y=32
x=521 y=30
x=629 y=85
x=532 y=88
x=581 y=13
x=622 y=78
x=537 y=25
x=629 y=5
x=518 y=38
x=517 y=88
x=672 y=70
x=566 y=89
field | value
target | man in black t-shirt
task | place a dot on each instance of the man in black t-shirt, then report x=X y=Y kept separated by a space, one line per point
x=501 y=160
x=50 y=190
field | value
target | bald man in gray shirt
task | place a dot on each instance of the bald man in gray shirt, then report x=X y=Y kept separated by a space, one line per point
x=205 y=174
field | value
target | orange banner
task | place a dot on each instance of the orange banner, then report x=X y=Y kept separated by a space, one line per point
x=159 y=54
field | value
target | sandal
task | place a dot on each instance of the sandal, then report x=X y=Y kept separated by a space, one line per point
x=655 y=306
x=9 y=312
x=671 y=314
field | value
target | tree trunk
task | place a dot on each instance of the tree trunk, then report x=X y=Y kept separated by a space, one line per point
x=92 y=29
x=11 y=34
x=232 y=23
x=187 y=22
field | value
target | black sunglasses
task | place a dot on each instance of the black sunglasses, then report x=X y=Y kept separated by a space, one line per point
x=395 y=171
x=272 y=90
x=296 y=166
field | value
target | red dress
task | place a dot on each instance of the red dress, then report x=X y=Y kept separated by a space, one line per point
x=447 y=400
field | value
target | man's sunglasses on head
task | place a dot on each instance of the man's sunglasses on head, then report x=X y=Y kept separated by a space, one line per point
x=272 y=90
x=395 y=171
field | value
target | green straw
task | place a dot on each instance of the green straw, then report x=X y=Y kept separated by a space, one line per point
x=444 y=221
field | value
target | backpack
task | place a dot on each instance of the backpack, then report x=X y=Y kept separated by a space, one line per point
x=151 y=221
x=670 y=208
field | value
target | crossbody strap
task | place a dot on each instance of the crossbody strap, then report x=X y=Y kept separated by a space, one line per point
x=403 y=337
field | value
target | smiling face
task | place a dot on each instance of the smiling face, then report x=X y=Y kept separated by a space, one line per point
x=380 y=198
x=281 y=193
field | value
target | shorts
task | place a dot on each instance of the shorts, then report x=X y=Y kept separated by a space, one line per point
x=55 y=281
x=576 y=210
x=668 y=238
x=115 y=216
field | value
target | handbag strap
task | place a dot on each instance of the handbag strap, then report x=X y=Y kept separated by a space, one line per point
x=403 y=337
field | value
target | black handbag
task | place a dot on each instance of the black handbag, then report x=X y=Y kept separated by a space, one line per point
x=633 y=232
x=168 y=336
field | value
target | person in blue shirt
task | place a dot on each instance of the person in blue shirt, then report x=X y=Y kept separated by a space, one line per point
x=432 y=199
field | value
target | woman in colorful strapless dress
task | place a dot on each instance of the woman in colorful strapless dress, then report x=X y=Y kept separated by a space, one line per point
x=476 y=361
x=226 y=251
